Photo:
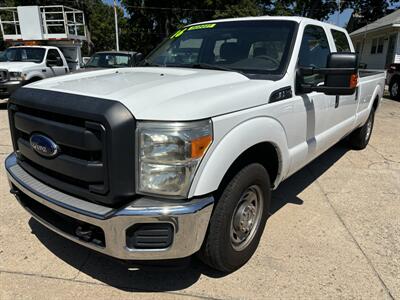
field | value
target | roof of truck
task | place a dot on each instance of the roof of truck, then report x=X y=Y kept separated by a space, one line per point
x=35 y=46
x=279 y=18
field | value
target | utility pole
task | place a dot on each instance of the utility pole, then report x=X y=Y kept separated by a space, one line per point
x=338 y=14
x=116 y=25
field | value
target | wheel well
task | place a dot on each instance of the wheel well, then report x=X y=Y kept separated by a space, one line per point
x=264 y=153
x=33 y=79
x=376 y=103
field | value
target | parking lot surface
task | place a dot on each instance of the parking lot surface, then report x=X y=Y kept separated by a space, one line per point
x=334 y=232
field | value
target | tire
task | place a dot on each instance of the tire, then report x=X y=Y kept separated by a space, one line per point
x=221 y=250
x=394 y=89
x=360 y=137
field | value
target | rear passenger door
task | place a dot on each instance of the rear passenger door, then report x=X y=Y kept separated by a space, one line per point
x=342 y=109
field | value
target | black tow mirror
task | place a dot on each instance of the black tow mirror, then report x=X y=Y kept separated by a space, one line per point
x=341 y=75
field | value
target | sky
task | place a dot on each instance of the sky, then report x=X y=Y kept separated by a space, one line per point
x=344 y=17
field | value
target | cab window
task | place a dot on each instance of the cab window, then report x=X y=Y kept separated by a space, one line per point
x=314 y=52
x=341 y=41
x=54 y=55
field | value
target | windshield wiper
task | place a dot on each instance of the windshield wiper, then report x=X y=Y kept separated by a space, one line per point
x=205 y=66
x=147 y=63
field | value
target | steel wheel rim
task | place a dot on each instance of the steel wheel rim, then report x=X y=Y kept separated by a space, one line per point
x=369 y=129
x=246 y=217
x=395 y=89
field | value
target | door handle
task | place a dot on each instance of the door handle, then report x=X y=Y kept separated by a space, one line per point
x=44 y=70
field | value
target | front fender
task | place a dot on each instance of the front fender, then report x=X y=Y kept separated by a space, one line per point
x=34 y=74
x=227 y=147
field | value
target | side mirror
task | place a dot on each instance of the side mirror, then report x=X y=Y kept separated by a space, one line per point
x=59 y=62
x=139 y=57
x=51 y=62
x=341 y=75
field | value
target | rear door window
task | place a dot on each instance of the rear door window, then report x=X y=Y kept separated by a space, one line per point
x=341 y=41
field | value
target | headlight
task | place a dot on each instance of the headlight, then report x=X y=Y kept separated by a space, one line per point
x=169 y=154
x=16 y=76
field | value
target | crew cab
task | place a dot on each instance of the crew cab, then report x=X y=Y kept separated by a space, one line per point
x=25 y=64
x=180 y=155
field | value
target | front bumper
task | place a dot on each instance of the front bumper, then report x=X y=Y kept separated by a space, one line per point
x=8 y=87
x=189 y=219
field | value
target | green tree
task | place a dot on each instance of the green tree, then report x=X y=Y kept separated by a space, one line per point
x=368 y=11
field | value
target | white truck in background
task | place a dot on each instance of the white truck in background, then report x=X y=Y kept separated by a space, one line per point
x=25 y=64
x=179 y=156
x=46 y=42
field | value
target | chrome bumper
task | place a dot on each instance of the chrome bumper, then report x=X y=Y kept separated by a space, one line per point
x=8 y=87
x=189 y=219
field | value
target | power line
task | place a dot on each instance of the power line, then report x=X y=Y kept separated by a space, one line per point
x=173 y=8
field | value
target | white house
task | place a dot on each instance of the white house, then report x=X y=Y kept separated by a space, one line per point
x=378 y=43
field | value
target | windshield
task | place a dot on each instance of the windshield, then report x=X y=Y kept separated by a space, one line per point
x=109 y=60
x=23 y=54
x=250 y=47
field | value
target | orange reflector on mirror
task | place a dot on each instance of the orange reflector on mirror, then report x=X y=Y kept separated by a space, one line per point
x=353 y=81
x=200 y=145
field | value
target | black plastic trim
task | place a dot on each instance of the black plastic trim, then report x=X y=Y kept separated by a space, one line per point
x=119 y=125
x=281 y=94
x=66 y=134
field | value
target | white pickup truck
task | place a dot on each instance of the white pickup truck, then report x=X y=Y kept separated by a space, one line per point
x=179 y=156
x=25 y=64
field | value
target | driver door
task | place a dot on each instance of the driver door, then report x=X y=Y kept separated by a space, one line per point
x=59 y=68
x=310 y=135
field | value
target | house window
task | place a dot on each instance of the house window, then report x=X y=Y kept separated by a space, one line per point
x=377 y=45
x=374 y=45
x=380 y=45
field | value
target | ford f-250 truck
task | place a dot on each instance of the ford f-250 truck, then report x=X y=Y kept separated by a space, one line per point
x=25 y=64
x=179 y=156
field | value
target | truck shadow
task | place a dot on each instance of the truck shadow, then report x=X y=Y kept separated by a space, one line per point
x=184 y=273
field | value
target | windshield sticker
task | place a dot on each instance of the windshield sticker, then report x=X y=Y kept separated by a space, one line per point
x=178 y=33
x=202 y=26
x=195 y=27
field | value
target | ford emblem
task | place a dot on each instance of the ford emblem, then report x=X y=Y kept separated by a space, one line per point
x=44 y=145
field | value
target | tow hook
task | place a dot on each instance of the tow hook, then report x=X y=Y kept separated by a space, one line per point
x=14 y=191
x=85 y=234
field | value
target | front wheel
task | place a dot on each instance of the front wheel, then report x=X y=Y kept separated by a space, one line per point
x=238 y=220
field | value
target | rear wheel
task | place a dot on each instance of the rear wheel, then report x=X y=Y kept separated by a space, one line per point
x=360 y=137
x=238 y=220
x=394 y=89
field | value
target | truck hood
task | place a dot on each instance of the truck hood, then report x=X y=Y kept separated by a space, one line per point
x=166 y=93
x=17 y=66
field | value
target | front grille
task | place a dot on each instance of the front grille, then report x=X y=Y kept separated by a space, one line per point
x=96 y=155
x=82 y=159
x=3 y=75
